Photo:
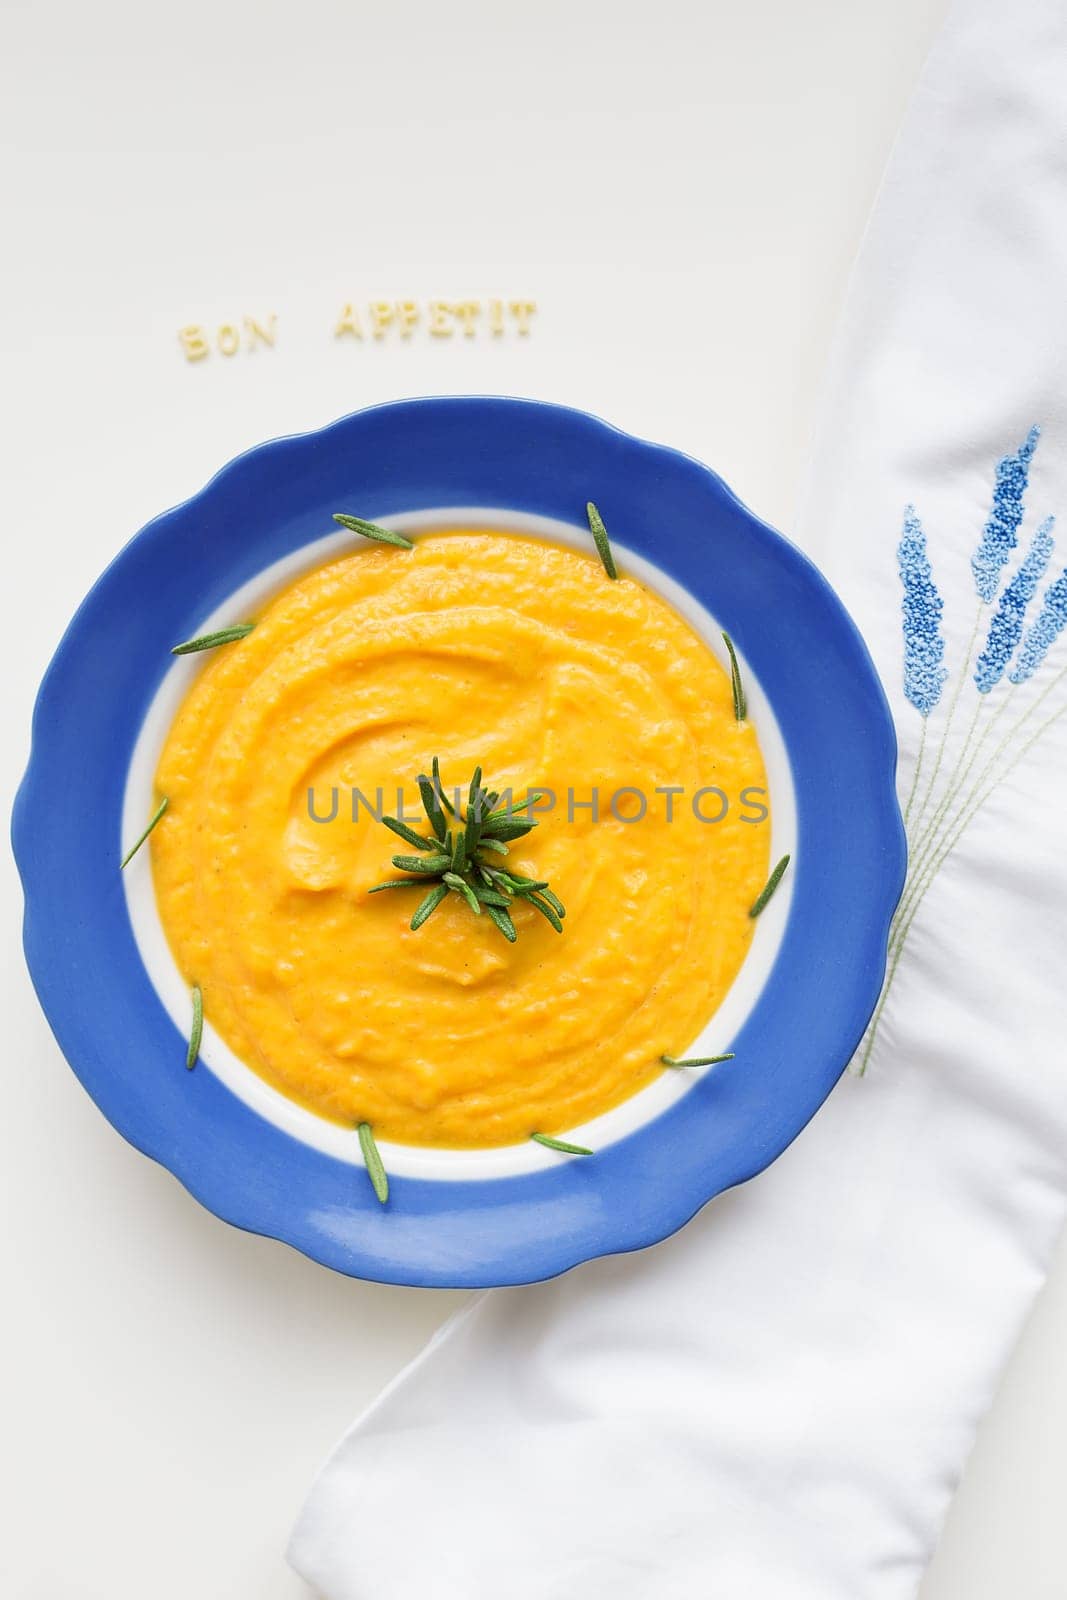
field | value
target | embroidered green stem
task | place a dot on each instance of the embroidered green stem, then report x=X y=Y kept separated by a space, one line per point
x=197 y=1030
x=371 y=530
x=982 y=744
x=736 y=682
x=922 y=877
x=918 y=770
x=128 y=857
x=1006 y=700
x=373 y=1162
x=951 y=789
x=978 y=798
x=560 y=1144
x=600 y=539
x=926 y=842
x=769 y=887
x=955 y=792
x=956 y=691
x=208 y=641
x=972 y=746
x=919 y=876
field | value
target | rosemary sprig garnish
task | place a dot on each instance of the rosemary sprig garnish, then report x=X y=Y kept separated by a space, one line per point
x=771 y=885
x=371 y=530
x=740 y=698
x=560 y=1144
x=463 y=856
x=600 y=539
x=208 y=641
x=128 y=857
x=427 y=906
x=373 y=1162
x=697 y=1061
x=197 y=1032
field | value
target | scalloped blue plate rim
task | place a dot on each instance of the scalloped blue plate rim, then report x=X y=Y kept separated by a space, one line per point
x=529 y=456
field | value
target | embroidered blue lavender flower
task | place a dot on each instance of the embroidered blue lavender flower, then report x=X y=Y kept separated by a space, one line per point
x=1042 y=634
x=1006 y=628
x=1001 y=533
x=924 y=646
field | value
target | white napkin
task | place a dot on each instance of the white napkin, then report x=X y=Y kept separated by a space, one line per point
x=777 y=1403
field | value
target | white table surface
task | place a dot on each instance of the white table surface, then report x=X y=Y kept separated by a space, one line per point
x=682 y=193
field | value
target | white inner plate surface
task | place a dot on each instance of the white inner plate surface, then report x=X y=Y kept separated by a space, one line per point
x=412 y=1160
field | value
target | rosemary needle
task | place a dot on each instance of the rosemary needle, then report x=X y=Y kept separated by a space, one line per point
x=432 y=806
x=128 y=857
x=436 y=780
x=697 y=1061
x=771 y=885
x=600 y=539
x=208 y=641
x=502 y=920
x=198 y=1028
x=427 y=906
x=373 y=1162
x=454 y=881
x=546 y=910
x=560 y=1144
x=371 y=530
x=740 y=700
x=408 y=834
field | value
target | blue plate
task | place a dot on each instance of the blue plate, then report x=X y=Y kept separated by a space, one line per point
x=811 y=1006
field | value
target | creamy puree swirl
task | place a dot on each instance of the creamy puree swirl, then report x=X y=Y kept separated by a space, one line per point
x=483 y=649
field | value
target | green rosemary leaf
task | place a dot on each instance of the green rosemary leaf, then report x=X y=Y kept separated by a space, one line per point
x=600 y=539
x=496 y=845
x=503 y=921
x=697 y=1061
x=208 y=641
x=507 y=828
x=560 y=1144
x=518 y=881
x=740 y=701
x=428 y=906
x=395 y=883
x=489 y=897
x=472 y=829
x=409 y=834
x=373 y=1162
x=512 y=810
x=197 y=1031
x=481 y=807
x=554 y=901
x=439 y=787
x=546 y=911
x=771 y=885
x=371 y=530
x=425 y=866
x=459 y=853
x=462 y=887
x=432 y=806
x=128 y=857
